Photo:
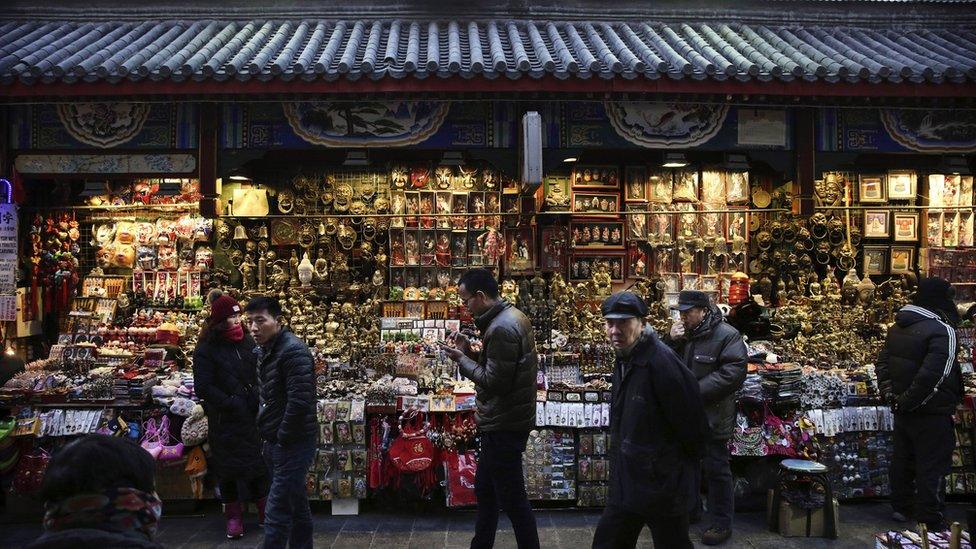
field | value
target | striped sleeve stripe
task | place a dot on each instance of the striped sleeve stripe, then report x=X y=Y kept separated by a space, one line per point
x=952 y=348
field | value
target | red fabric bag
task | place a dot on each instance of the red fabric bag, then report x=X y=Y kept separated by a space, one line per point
x=412 y=451
x=459 y=471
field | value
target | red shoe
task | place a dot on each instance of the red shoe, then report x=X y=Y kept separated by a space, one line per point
x=235 y=522
x=260 y=503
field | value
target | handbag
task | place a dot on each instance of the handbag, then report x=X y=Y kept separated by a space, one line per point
x=412 y=451
x=172 y=452
x=746 y=440
x=195 y=428
x=780 y=440
x=252 y=202
x=29 y=472
x=150 y=441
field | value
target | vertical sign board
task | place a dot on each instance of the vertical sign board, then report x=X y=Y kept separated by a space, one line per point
x=8 y=262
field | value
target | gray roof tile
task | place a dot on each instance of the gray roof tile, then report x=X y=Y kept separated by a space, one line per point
x=352 y=49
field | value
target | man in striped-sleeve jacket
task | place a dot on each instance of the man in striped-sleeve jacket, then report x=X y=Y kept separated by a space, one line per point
x=918 y=374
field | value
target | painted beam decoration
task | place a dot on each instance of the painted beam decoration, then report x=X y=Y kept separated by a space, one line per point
x=897 y=130
x=366 y=124
x=652 y=125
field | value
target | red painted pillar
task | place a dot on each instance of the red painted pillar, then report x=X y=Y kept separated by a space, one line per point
x=208 y=114
x=805 y=148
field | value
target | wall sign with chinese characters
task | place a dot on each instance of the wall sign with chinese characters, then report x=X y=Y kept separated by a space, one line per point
x=8 y=262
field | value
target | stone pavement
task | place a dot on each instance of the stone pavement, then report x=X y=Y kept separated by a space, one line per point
x=453 y=529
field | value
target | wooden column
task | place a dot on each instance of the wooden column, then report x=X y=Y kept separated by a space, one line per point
x=805 y=148
x=208 y=114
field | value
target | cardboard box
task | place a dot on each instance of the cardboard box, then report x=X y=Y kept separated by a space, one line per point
x=798 y=522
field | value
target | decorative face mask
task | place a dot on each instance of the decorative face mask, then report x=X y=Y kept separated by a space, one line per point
x=167 y=257
x=203 y=229
x=104 y=233
x=165 y=231
x=146 y=258
x=125 y=233
x=145 y=232
x=103 y=257
x=203 y=258
x=185 y=227
x=124 y=257
x=186 y=259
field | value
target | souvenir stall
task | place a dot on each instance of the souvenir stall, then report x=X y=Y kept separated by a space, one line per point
x=364 y=252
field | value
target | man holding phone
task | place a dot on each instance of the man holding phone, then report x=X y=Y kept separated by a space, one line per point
x=504 y=374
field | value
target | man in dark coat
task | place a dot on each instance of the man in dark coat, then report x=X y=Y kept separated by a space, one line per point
x=286 y=421
x=714 y=352
x=919 y=375
x=225 y=377
x=657 y=429
x=504 y=374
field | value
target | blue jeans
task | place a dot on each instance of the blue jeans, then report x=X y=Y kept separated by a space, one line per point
x=287 y=517
x=500 y=484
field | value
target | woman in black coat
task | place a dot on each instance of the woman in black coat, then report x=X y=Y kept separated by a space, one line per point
x=225 y=377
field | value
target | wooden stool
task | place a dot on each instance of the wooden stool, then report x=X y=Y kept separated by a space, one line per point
x=798 y=473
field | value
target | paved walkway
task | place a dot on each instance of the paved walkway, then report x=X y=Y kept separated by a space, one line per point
x=453 y=529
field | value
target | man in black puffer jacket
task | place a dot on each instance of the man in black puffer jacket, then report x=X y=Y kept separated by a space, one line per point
x=504 y=374
x=918 y=374
x=286 y=421
x=714 y=352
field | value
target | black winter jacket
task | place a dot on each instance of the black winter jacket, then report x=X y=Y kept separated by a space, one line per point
x=225 y=376
x=657 y=431
x=917 y=368
x=287 y=374
x=717 y=356
x=91 y=538
x=505 y=372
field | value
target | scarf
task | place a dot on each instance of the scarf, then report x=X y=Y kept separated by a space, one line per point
x=119 y=510
x=234 y=333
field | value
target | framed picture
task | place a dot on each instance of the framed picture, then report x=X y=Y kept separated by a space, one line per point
x=557 y=195
x=737 y=188
x=875 y=260
x=555 y=243
x=637 y=262
x=713 y=186
x=637 y=222
x=606 y=235
x=906 y=227
x=635 y=188
x=596 y=203
x=596 y=177
x=872 y=189
x=685 y=186
x=933 y=230
x=660 y=229
x=659 y=187
x=583 y=267
x=902 y=259
x=672 y=282
x=901 y=185
x=936 y=190
x=689 y=281
x=519 y=251
x=876 y=224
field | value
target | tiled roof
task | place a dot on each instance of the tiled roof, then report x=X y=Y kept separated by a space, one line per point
x=48 y=52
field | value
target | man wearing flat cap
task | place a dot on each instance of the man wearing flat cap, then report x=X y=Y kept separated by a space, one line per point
x=714 y=352
x=657 y=428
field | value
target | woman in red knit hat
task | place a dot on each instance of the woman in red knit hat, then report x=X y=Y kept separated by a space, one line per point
x=225 y=377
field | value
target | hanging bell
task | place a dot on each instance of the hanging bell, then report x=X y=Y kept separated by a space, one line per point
x=263 y=231
x=240 y=233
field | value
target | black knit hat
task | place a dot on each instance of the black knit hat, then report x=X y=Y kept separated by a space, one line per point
x=936 y=295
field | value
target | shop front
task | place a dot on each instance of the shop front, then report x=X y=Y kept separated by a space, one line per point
x=803 y=189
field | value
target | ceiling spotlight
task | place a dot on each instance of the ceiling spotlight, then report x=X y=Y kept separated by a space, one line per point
x=956 y=165
x=238 y=174
x=169 y=187
x=452 y=158
x=356 y=158
x=95 y=188
x=674 y=160
x=570 y=159
x=736 y=162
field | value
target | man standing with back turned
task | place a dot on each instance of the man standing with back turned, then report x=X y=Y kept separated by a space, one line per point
x=504 y=374
x=714 y=352
x=657 y=426
x=919 y=375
